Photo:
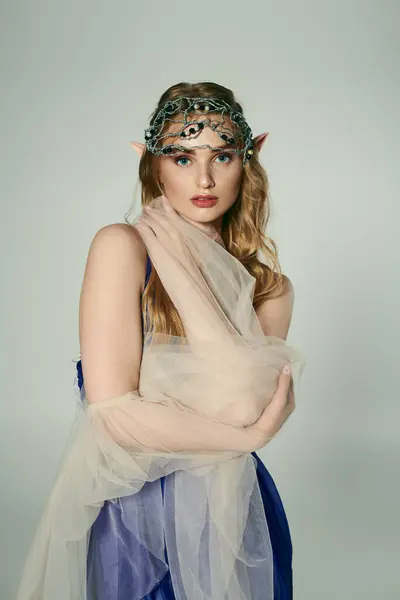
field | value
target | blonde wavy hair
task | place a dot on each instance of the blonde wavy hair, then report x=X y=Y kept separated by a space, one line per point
x=243 y=225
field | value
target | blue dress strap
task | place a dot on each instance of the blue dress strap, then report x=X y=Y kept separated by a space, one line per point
x=148 y=268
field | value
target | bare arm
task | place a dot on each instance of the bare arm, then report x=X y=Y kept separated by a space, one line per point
x=275 y=314
x=110 y=334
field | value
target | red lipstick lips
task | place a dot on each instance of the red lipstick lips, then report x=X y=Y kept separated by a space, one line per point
x=204 y=200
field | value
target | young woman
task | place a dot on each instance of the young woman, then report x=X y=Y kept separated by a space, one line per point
x=173 y=498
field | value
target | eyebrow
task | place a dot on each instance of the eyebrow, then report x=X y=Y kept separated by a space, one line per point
x=192 y=151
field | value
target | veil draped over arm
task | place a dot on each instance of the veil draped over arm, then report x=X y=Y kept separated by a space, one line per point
x=187 y=419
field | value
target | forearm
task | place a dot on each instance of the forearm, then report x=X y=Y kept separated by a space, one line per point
x=150 y=426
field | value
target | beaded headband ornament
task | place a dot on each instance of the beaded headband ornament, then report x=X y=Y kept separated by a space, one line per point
x=191 y=126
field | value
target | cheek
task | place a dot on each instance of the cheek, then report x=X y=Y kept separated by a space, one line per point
x=171 y=177
x=233 y=177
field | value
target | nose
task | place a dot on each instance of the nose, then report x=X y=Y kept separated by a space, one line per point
x=204 y=178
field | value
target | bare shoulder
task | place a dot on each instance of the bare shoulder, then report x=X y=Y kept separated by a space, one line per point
x=275 y=313
x=119 y=242
x=120 y=231
x=286 y=289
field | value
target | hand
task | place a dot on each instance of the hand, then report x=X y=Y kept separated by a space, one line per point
x=162 y=218
x=276 y=413
x=171 y=235
x=187 y=288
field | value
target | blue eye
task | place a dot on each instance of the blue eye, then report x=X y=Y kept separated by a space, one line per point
x=181 y=158
x=226 y=156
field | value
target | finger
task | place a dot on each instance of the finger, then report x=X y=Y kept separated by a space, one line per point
x=290 y=398
x=156 y=222
x=279 y=399
x=283 y=400
x=168 y=234
x=285 y=381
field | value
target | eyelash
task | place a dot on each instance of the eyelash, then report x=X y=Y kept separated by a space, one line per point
x=187 y=158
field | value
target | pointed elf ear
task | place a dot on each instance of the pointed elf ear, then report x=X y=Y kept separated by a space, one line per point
x=259 y=140
x=139 y=147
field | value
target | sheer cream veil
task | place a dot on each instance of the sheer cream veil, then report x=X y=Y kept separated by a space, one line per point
x=187 y=420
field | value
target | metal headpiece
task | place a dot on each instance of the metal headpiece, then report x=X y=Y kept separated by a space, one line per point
x=189 y=109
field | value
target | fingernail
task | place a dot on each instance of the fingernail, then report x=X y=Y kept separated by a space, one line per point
x=287 y=368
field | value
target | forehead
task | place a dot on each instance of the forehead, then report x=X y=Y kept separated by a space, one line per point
x=214 y=124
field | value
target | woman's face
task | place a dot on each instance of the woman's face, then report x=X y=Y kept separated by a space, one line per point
x=201 y=171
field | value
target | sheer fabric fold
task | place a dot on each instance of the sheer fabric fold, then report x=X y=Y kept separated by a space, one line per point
x=197 y=394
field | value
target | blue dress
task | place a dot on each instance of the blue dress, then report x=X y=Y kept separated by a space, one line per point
x=117 y=564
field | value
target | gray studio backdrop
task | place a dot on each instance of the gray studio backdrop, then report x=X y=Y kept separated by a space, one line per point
x=79 y=80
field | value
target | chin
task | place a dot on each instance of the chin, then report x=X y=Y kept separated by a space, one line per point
x=203 y=215
x=217 y=209
x=198 y=217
